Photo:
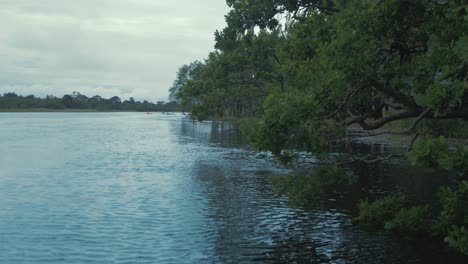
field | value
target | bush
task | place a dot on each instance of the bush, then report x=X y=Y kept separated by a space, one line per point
x=454 y=207
x=374 y=215
x=248 y=126
x=436 y=153
x=457 y=238
x=307 y=190
x=410 y=221
x=453 y=219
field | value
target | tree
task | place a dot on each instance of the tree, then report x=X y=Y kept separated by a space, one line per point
x=115 y=100
x=235 y=84
x=335 y=64
x=185 y=73
x=68 y=101
x=10 y=95
x=79 y=101
x=372 y=63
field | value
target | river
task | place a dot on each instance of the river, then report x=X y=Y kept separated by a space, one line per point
x=138 y=188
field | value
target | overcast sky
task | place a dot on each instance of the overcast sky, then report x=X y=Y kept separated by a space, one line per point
x=106 y=47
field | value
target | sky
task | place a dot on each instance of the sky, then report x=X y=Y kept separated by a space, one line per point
x=127 y=48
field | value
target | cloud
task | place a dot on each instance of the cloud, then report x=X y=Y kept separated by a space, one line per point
x=107 y=47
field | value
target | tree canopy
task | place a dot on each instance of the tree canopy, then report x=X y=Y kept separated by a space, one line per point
x=305 y=71
x=347 y=62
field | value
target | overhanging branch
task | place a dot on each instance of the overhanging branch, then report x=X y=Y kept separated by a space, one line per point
x=419 y=114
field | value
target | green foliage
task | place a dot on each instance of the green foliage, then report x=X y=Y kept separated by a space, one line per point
x=461 y=48
x=291 y=127
x=333 y=64
x=453 y=128
x=11 y=101
x=375 y=214
x=410 y=221
x=307 y=190
x=448 y=128
x=458 y=239
x=388 y=214
x=436 y=153
x=235 y=84
x=184 y=74
x=453 y=218
x=264 y=14
x=248 y=126
x=450 y=210
x=431 y=152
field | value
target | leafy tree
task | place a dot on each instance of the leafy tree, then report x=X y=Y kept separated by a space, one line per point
x=185 y=73
x=304 y=71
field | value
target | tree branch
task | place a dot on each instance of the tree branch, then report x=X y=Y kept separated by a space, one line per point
x=378 y=159
x=419 y=119
x=382 y=121
x=410 y=147
x=343 y=104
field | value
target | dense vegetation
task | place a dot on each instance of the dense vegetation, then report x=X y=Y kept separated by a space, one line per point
x=14 y=102
x=298 y=73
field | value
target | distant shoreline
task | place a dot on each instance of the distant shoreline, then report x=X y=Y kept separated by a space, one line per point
x=20 y=110
x=46 y=110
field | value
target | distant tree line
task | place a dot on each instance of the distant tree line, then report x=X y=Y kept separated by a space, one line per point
x=12 y=101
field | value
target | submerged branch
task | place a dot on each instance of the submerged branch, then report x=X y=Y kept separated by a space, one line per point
x=410 y=147
x=378 y=159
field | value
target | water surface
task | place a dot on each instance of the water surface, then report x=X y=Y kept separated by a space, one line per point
x=137 y=188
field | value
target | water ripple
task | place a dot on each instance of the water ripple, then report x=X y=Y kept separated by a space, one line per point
x=133 y=188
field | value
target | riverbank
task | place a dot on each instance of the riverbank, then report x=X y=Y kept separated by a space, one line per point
x=395 y=138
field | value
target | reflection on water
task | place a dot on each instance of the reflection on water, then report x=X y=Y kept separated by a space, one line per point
x=134 y=188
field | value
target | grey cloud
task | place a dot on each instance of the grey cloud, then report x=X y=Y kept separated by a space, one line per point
x=109 y=47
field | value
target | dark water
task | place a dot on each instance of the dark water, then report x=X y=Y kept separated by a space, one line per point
x=136 y=188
